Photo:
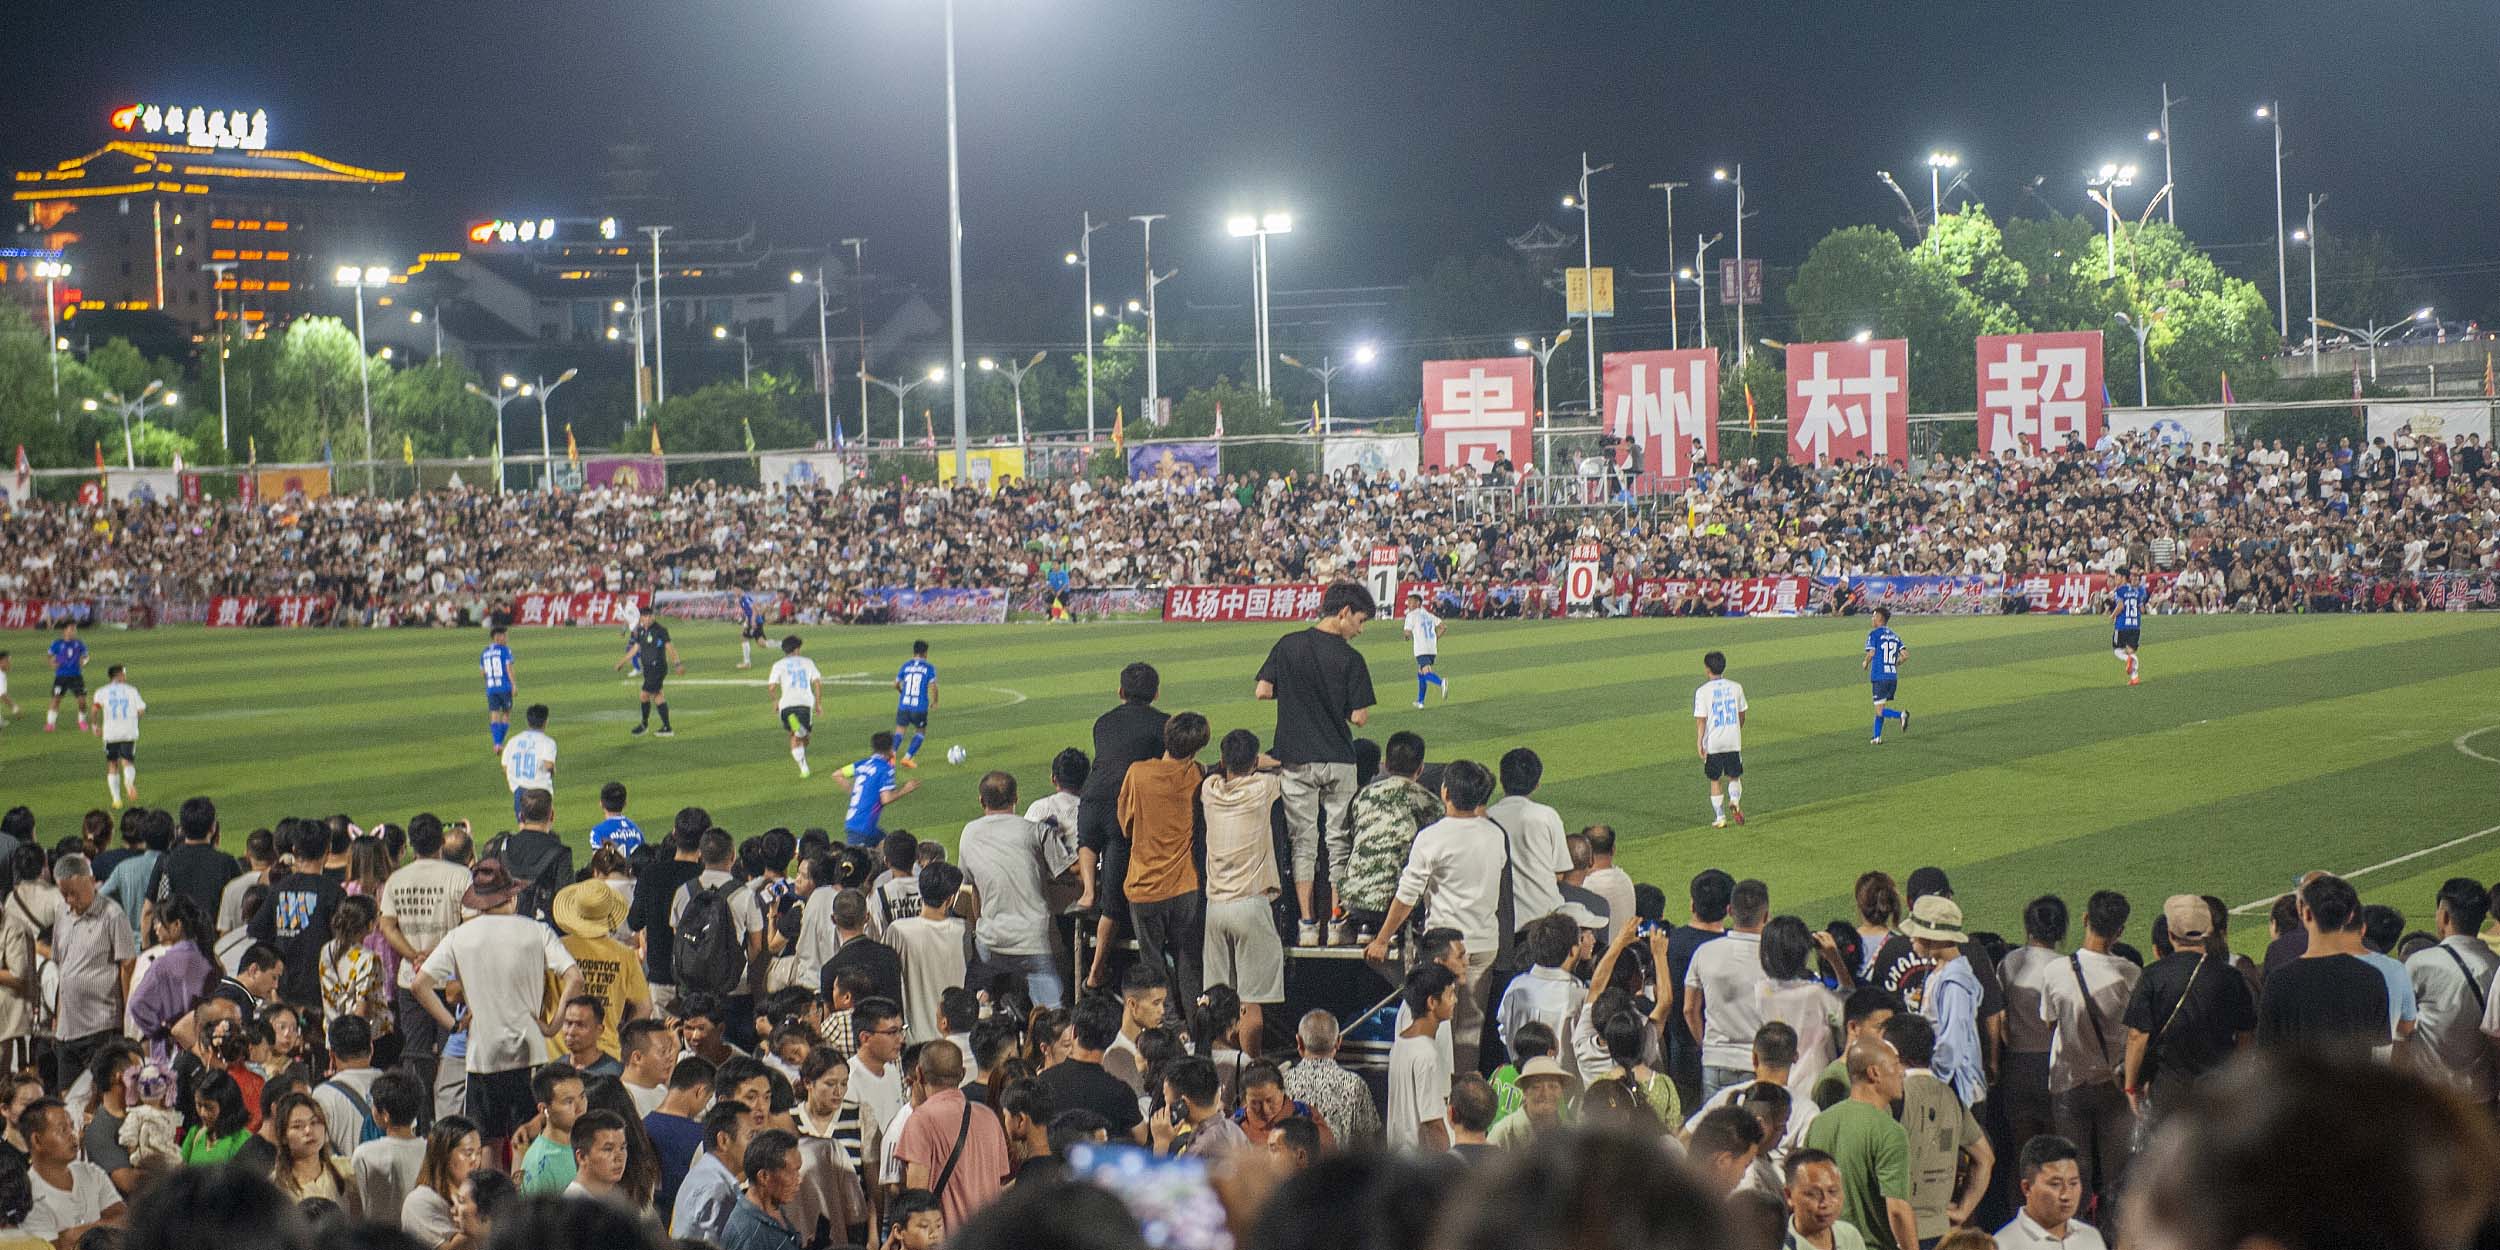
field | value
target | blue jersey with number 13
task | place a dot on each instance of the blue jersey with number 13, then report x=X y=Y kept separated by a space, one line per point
x=2130 y=606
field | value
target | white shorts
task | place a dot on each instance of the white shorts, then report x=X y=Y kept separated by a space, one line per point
x=1243 y=950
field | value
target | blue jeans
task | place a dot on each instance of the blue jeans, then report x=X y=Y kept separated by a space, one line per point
x=1714 y=1079
x=1043 y=981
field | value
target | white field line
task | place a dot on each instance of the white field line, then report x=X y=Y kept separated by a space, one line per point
x=2459 y=742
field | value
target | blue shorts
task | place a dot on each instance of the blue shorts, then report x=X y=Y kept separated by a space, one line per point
x=1884 y=688
x=870 y=838
x=917 y=720
x=498 y=700
x=516 y=802
x=1425 y=661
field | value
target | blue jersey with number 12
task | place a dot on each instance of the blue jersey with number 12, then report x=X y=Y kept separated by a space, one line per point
x=915 y=678
x=870 y=779
x=1885 y=648
x=2130 y=606
x=496 y=662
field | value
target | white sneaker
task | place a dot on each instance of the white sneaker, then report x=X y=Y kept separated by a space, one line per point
x=1720 y=823
x=1341 y=933
x=1307 y=934
x=1419 y=705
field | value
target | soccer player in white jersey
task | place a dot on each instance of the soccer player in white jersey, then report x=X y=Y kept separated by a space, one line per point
x=529 y=758
x=1719 y=737
x=118 y=708
x=798 y=694
x=1425 y=629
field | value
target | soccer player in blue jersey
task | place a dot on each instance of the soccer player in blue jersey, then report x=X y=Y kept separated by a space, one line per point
x=1425 y=628
x=1883 y=668
x=615 y=828
x=871 y=783
x=496 y=662
x=750 y=628
x=2126 y=610
x=915 y=691
x=69 y=677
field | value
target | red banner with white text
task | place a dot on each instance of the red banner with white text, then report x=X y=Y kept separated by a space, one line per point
x=1666 y=405
x=1849 y=401
x=2036 y=390
x=268 y=611
x=1732 y=596
x=596 y=607
x=1292 y=602
x=1475 y=411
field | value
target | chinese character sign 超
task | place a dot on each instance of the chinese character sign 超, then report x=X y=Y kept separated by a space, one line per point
x=2037 y=389
x=1478 y=410
x=1663 y=403
x=1849 y=401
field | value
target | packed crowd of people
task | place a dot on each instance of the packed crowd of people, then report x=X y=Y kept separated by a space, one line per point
x=1070 y=1029
x=2259 y=528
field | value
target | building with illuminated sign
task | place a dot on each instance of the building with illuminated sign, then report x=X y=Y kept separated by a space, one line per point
x=185 y=203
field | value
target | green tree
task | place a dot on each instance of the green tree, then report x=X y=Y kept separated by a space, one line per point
x=1245 y=415
x=717 y=418
x=1862 y=280
x=316 y=397
x=430 y=406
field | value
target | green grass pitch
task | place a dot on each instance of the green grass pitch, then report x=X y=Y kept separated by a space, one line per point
x=2256 y=748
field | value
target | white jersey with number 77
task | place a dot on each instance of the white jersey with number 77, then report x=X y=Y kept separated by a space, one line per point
x=1720 y=705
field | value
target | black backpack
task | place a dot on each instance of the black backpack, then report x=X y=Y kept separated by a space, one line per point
x=548 y=867
x=706 y=954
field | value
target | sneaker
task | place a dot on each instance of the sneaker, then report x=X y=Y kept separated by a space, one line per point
x=1735 y=816
x=1905 y=722
x=1307 y=934
x=642 y=729
x=1341 y=932
x=2135 y=681
x=51 y=728
x=1445 y=690
x=117 y=805
x=1419 y=705
x=1876 y=741
x=667 y=732
x=907 y=761
x=802 y=772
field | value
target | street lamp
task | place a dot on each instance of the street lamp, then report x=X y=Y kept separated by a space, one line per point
x=1083 y=257
x=746 y=356
x=824 y=348
x=52 y=271
x=2309 y=235
x=220 y=272
x=2143 y=331
x=954 y=243
x=1543 y=350
x=2371 y=336
x=416 y=317
x=1256 y=229
x=130 y=408
x=1937 y=163
x=360 y=278
x=1699 y=276
x=859 y=315
x=546 y=449
x=659 y=326
x=2161 y=135
x=1015 y=380
x=1588 y=273
x=620 y=307
x=937 y=373
x=1154 y=389
x=2272 y=111
x=1737 y=177
x=2102 y=189
x=512 y=388
x=1326 y=372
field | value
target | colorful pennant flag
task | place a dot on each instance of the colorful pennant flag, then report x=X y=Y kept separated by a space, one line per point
x=1752 y=425
x=1219 y=418
x=572 y=450
x=407 y=450
x=1119 y=437
x=2226 y=388
x=748 y=427
x=655 y=440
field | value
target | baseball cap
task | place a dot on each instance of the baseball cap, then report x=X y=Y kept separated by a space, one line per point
x=2188 y=917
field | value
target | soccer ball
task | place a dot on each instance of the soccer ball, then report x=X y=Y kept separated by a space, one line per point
x=956 y=754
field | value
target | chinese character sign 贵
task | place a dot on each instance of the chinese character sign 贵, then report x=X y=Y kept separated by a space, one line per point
x=2037 y=389
x=1849 y=401
x=1663 y=403
x=1476 y=411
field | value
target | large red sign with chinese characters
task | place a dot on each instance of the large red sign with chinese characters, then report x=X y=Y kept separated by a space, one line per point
x=2070 y=594
x=2037 y=389
x=1849 y=401
x=1478 y=410
x=281 y=611
x=1746 y=596
x=596 y=607
x=1663 y=403
x=1290 y=602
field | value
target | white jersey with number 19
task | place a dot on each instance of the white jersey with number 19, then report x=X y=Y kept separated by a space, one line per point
x=1720 y=704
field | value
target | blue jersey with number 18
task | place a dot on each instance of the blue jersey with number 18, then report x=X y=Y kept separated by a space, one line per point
x=913 y=681
x=496 y=662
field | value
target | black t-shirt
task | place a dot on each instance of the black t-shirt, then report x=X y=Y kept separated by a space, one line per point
x=196 y=871
x=1682 y=941
x=295 y=918
x=654 y=888
x=2195 y=1014
x=1122 y=736
x=880 y=961
x=2286 y=949
x=1076 y=1083
x=1320 y=680
x=651 y=647
x=2332 y=1000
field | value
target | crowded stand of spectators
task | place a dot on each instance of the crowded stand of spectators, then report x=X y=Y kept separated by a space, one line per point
x=434 y=1036
x=2249 y=528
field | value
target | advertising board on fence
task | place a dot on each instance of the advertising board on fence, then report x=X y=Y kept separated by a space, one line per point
x=1849 y=401
x=1476 y=411
x=945 y=605
x=2170 y=427
x=597 y=607
x=146 y=486
x=1174 y=464
x=1788 y=595
x=1662 y=403
x=312 y=481
x=800 y=470
x=991 y=466
x=2441 y=422
x=1951 y=594
x=2036 y=389
x=44 y=613
x=1391 y=454
x=1295 y=602
x=268 y=611
x=641 y=475
x=2071 y=594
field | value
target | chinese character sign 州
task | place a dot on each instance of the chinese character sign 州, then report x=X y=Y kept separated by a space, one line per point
x=1476 y=411
x=1666 y=405
x=1849 y=401
x=2035 y=390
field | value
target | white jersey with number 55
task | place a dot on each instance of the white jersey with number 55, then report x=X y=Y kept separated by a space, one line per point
x=1720 y=705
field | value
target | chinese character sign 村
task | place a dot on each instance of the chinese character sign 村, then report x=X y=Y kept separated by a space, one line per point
x=1849 y=401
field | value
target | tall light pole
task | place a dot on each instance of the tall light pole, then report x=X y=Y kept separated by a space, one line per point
x=1154 y=390
x=1015 y=380
x=360 y=278
x=1937 y=163
x=1083 y=256
x=1588 y=270
x=1738 y=178
x=416 y=317
x=859 y=313
x=218 y=272
x=2272 y=111
x=746 y=355
x=2308 y=234
x=2102 y=188
x=1327 y=372
x=937 y=373
x=52 y=271
x=2143 y=375
x=546 y=448
x=1675 y=293
x=1256 y=229
x=824 y=349
x=641 y=406
x=1699 y=275
x=512 y=388
x=1543 y=350
x=2161 y=135
x=954 y=242
x=131 y=408
x=659 y=323
x=2375 y=333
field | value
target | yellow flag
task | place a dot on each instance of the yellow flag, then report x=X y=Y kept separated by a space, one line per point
x=655 y=440
x=1119 y=437
x=572 y=450
x=407 y=449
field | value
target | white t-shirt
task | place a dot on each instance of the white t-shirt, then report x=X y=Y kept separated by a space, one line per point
x=796 y=676
x=89 y=1194
x=1728 y=970
x=502 y=963
x=1539 y=855
x=744 y=915
x=1419 y=1091
x=1722 y=703
x=117 y=708
x=932 y=954
x=1425 y=628
x=529 y=761
x=1005 y=859
x=1457 y=861
x=1059 y=839
x=424 y=897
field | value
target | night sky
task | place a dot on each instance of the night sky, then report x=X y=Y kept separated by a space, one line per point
x=1397 y=133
